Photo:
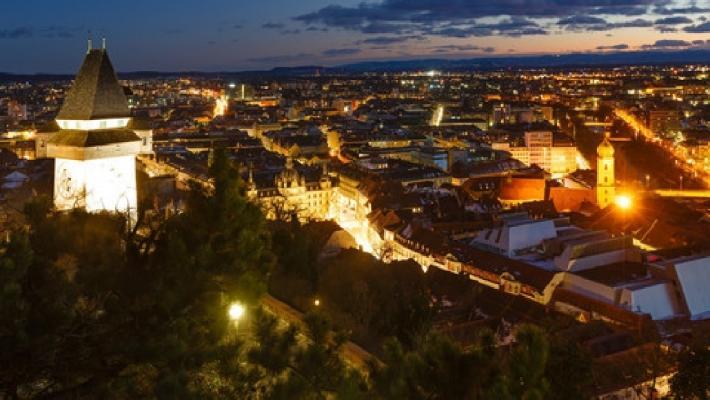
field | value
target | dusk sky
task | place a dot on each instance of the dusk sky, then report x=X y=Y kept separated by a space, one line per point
x=227 y=35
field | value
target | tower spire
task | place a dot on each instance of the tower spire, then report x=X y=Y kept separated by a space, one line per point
x=89 y=44
x=103 y=43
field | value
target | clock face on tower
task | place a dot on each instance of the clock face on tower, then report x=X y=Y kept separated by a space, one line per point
x=65 y=187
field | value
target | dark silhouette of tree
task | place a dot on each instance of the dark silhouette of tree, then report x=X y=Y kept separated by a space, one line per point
x=692 y=381
x=385 y=299
x=439 y=369
x=297 y=367
x=569 y=370
x=90 y=309
x=525 y=377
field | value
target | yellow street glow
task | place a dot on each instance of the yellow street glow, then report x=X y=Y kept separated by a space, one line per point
x=623 y=202
x=236 y=311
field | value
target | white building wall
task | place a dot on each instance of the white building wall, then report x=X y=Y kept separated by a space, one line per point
x=694 y=279
x=106 y=184
x=657 y=300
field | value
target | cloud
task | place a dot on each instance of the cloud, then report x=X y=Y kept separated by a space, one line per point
x=622 y=46
x=290 y=31
x=673 y=21
x=620 y=10
x=50 y=32
x=700 y=28
x=667 y=43
x=340 y=52
x=463 y=18
x=385 y=40
x=588 y=23
x=581 y=20
x=273 y=25
x=514 y=27
x=662 y=10
x=462 y=48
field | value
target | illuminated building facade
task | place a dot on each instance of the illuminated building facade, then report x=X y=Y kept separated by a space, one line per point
x=540 y=149
x=292 y=192
x=605 y=173
x=94 y=149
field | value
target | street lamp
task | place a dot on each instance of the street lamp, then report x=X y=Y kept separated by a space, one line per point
x=316 y=302
x=623 y=201
x=236 y=312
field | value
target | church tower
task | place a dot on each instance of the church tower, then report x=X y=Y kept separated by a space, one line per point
x=605 y=173
x=94 y=150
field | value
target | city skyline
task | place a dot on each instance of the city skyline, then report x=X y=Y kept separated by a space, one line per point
x=233 y=35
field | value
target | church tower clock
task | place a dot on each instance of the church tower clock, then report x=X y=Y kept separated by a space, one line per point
x=94 y=150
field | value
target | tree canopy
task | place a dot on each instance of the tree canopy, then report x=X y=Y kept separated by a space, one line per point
x=90 y=308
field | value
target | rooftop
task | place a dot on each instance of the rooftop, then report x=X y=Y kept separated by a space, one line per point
x=96 y=93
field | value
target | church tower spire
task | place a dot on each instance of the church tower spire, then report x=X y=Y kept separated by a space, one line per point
x=606 y=186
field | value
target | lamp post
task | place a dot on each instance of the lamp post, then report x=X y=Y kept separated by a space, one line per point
x=623 y=202
x=235 y=312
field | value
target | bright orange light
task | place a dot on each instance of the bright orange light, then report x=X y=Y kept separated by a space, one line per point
x=623 y=201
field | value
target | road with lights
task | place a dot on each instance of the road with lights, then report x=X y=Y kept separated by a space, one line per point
x=676 y=151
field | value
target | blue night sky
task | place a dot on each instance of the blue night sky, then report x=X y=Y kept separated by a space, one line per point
x=222 y=35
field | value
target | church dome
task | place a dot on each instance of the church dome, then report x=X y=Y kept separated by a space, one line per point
x=289 y=177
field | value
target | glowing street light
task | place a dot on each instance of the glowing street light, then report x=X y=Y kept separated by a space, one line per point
x=236 y=311
x=316 y=302
x=623 y=201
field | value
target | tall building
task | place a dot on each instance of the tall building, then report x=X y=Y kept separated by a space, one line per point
x=557 y=158
x=664 y=122
x=94 y=150
x=605 y=173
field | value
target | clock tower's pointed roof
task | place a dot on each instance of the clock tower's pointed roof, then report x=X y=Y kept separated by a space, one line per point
x=96 y=93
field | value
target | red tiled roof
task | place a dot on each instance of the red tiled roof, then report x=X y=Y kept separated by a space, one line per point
x=522 y=189
x=571 y=199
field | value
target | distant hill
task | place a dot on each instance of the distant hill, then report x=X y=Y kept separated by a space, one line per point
x=699 y=56
x=552 y=61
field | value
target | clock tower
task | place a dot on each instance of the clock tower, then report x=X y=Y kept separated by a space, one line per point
x=94 y=149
